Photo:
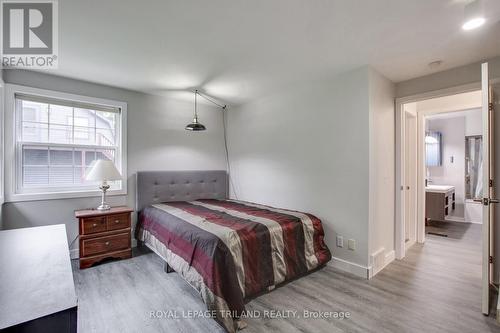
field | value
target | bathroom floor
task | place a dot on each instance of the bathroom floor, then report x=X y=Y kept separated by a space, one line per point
x=454 y=230
x=456 y=214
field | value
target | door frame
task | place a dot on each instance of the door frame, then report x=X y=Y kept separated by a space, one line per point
x=400 y=163
x=412 y=186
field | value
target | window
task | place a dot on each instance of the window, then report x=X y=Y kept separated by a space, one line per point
x=57 y=139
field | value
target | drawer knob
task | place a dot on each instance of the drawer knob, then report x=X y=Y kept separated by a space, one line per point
x=94 y=225
x=117 y=221
x=107 y=243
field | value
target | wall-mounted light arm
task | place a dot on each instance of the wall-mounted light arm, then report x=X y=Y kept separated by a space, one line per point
x=211 y=100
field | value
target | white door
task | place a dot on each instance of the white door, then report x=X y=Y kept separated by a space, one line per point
x=488 y=181
x=410 y=178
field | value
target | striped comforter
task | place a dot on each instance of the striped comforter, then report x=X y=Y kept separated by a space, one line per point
x=231 y=250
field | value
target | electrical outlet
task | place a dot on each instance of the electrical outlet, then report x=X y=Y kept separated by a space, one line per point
x=340 y=241
x=351 y=244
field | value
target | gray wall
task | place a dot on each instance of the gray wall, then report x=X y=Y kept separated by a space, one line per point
x=306 y=148
x=455 y=77
x=324 y=147
x=156 y=141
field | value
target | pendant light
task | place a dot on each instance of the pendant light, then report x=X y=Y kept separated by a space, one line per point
x=195 y=125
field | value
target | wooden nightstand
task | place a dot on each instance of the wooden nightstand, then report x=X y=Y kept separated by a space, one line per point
x=104 y=234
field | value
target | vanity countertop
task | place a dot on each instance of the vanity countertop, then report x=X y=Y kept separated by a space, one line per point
x=439 y=188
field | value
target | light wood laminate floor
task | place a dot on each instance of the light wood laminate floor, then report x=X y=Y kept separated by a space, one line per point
x=436 y=288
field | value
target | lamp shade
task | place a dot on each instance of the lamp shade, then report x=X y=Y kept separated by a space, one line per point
x=195 y=126
x=103 y=170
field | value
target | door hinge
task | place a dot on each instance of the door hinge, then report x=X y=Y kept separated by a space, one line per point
x=491 y=182
x=490 y=106
x=491 y=259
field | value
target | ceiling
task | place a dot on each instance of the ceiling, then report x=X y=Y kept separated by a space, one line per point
x=238 y=50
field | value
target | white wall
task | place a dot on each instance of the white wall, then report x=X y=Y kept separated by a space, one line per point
x=382 y=167
x=156 y=141
x=473 y=122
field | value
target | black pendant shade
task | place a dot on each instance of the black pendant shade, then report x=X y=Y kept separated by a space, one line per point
x=195 y=125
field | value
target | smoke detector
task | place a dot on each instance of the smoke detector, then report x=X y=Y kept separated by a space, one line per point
x=435 y=64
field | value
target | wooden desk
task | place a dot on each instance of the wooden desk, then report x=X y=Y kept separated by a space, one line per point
x=37 y=293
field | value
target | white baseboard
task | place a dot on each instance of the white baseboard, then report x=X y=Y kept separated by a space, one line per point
x=409 y=244
x=350 y=267
x=388 y=258
x=462 y=221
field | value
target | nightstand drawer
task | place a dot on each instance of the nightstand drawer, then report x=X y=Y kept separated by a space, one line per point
x=105 y=244
x=120 y=221
x=94 y=224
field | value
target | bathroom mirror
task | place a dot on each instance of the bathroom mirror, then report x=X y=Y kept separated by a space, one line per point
x=433 y=149
x=473 y=167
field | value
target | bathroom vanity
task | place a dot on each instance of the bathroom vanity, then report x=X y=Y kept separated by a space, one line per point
x=439 y=201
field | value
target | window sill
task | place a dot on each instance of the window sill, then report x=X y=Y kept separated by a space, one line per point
x=60 y=195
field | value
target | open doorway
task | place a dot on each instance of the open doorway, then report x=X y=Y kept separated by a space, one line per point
x=453 y=168
x=441 y=160
x=455 y=186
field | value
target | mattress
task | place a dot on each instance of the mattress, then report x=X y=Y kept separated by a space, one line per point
x=230 y=251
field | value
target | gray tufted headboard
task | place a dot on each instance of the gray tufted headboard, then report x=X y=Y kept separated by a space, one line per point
x=163 y=186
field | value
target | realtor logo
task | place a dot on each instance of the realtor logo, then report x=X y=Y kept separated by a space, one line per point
x=29 y=34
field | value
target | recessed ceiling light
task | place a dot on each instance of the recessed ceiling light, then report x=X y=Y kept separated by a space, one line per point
x=473 y=15
x=474 y=23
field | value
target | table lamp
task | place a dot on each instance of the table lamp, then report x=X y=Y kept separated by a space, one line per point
x=103 y=171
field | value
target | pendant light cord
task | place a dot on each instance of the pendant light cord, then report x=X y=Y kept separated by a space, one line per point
x=228 y=163
x=195 y=105
x=224 y=109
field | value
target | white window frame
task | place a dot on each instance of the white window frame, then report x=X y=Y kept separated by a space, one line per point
x=13 y=176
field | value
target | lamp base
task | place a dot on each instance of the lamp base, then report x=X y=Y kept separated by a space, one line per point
x=104 y=206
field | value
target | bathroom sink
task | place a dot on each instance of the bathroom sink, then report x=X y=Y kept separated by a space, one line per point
x=439 y=188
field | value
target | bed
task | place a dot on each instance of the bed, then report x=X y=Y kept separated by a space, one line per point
x=228 y=250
